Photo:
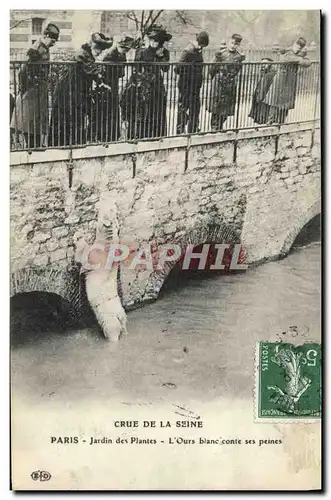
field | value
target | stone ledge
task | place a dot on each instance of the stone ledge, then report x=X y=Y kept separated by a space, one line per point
x=124 y=148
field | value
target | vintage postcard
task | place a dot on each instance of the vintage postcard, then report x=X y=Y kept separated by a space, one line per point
x=165 y=184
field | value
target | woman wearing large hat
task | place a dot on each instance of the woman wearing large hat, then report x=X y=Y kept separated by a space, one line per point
x=72 y=96
x=107 y=107
x=151 y=120
x=30 y=116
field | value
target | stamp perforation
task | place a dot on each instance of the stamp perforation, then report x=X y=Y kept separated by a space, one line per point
x=288 y=362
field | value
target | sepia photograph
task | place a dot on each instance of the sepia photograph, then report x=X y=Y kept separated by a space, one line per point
x=165 y=250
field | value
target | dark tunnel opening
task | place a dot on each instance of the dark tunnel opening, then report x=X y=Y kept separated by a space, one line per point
x=35 y=315
x=310 y=233
x=179 y=277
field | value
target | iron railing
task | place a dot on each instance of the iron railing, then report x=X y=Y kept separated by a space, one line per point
x=57 y=104
x=251 y=54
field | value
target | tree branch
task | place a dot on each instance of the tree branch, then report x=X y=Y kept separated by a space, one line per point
x=129 y=17
x=150 y=21
x=240 y=14
x=181 y=14
x=150 y=13
x=181 y=17
x=144 y=23
x=155 y=18
x=18 y=23
x=134 y=18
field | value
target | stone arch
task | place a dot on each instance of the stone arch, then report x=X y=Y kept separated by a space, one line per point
x=300 y=221
x=197 y=236
x=67 y=283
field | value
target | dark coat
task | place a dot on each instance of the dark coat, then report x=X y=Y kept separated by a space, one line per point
x=153 y=72
x=105 y=112
x=71 y=98
x=112 y=73
x=11 y=105
x=260 y=110
x=190 y=70
x=31 y=109
x=147 y=57
x=144 y=99
x=134 y=102
x=223 y=92
x=282 y=92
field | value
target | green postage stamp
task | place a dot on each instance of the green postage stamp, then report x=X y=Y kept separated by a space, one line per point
x=288 y=381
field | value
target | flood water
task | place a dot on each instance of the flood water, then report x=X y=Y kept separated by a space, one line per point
x=197 y=340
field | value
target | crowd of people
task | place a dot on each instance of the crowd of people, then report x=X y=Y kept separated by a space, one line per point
x=89 y=104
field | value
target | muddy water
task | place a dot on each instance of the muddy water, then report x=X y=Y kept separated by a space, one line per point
x=195 y=343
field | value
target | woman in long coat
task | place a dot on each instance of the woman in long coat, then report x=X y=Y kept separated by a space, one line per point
x=260 y=111
x=223 y=89
x=30 y=116
x=106 y=113
x=282 y=93
x=72 y=96
x=152 y=121
x=134 y=103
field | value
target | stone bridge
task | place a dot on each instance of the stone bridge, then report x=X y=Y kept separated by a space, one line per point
x=257 y=187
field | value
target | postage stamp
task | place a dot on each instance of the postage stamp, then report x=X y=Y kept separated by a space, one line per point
x=288 y=381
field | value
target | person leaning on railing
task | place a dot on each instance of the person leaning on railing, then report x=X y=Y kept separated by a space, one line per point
x=143 y=100
x=282 y=92
x=190 y=71
x=223 y=92
x=156 y=103
x=106 y=115
x=72 y=95
x=134 y=105
x=260 y=111
x=30 y=116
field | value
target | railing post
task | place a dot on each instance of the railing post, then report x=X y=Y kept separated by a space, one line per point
x=187 y=150
x=317 y=92
x=70 y=167
x=134 y=164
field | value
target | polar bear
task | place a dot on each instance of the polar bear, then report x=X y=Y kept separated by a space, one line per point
x=101 y=289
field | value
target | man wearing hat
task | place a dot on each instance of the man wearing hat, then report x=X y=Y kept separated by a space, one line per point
x=30 y=116
x=106 y=119
x=72 y=95
x=146 y=114
x=282 y=92
x=190 y=71
x=223 y=93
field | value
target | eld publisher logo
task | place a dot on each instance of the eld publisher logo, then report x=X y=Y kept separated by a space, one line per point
x=40 y=475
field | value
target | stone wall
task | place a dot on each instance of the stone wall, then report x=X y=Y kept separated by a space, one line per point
x=257 y=187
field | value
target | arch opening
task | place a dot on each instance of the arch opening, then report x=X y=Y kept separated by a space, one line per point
x=310 y=233
x=305 y=226
x=66 y=283
x=179 y=277
x=211 y=234
x=34 y=315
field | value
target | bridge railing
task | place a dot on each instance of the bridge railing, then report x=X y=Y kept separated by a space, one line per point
x=59 y=104
x=252 y=54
